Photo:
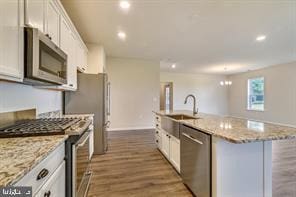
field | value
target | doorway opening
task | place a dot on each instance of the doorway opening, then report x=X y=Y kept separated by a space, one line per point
x=166 y=96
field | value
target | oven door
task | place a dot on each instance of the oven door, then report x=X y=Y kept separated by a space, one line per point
x=44 y=61
x=81 y=173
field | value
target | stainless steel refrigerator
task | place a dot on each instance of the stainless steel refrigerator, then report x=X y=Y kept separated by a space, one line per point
x=92 y=97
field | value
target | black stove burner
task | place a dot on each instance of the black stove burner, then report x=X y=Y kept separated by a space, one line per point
x=38 y=127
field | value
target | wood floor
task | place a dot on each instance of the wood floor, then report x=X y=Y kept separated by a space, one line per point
x=134 y=167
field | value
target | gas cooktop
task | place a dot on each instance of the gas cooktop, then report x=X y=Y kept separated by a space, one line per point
x=38 y=127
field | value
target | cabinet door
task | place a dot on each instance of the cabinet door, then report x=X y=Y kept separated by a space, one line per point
x=55 y=186
x=165 y=144
x=68 y=46
x=11 y=39
x=175 y=152
x=53 y=21
x=84 y=59
x=157 y=139
x=72 y=81
x=34 y=13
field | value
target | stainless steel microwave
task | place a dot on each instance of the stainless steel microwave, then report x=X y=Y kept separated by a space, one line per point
x=45 y=63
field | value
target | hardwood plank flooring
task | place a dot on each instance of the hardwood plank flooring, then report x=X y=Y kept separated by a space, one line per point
x=134 y=167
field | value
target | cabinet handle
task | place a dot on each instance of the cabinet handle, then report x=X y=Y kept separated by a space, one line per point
x=83 y=68
x=43 y=173
x=157 y=125
x=156 y=132
x=156 y=141
x=71 y=85
x=157 y=118
x=47 y=194
x=47 y=35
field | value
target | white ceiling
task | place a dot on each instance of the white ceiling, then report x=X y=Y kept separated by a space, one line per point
x=199 y=36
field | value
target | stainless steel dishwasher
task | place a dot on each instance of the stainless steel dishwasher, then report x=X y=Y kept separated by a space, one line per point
x=196 y=161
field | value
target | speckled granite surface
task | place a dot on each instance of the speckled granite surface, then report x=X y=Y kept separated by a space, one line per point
x=19 y=155
x=236 y=130
x=78 y=131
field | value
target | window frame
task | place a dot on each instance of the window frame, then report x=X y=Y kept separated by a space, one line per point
x=248 y=94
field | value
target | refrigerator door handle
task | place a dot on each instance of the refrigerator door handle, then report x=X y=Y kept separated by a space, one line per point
x=109 y=98
x=107 y=124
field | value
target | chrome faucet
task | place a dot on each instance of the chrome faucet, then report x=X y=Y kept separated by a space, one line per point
x=195 y=111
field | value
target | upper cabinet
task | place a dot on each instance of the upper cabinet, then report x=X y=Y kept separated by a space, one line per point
x=50 y=17
x=68 y=43
x=52 y=23
x=35 y=13
x=96 y=62
x=11 y=39
x=81 y=52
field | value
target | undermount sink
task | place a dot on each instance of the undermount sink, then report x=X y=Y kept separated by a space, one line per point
x=181 y=117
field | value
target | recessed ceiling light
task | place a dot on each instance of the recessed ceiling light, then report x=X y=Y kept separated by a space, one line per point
x=261 y=38
x=173 y=65
x=125 y=5
x=121 y=35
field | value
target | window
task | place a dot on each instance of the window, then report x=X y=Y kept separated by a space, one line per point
x=256 y=94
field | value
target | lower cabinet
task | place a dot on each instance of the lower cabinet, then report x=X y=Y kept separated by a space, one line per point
x=165 y=144
x=170 y=147
x=175 y=152
x=48 y=177
x=55 y=186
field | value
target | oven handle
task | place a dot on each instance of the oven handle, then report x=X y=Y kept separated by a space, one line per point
x=83 y=140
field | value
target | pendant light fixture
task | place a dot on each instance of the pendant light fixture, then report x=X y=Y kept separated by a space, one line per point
x=225 y=82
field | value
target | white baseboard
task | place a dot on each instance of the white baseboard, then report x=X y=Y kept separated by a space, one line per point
x=129 y=128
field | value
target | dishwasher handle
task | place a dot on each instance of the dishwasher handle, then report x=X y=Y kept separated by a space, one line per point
x=192 y=138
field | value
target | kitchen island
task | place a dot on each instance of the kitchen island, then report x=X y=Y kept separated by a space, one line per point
x=241 y=152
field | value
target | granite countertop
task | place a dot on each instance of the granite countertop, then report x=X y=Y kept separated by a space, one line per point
x=20 y=155
x=78 y=131
x=235 y=130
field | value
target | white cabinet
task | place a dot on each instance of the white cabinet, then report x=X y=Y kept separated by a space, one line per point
x=43 y=172
x=53 y=21
x=165 y=144
x=55 y=186
x=35 y=13
x=175 y=152
x=81 y=60
x=11 y=39
x=170 y=147
x=68 y=42
x=158 y=138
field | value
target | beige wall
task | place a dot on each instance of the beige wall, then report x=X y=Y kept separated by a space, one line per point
x=280 y=94
x=134 y=92
x=15 y=97
x=211 y=97
x=96 y=60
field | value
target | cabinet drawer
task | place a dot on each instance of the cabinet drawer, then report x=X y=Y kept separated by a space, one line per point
x=157 y=119
x=157 y=132
x=55 y=186
x=157 y=126
x=41 y=173
x=158 y=141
